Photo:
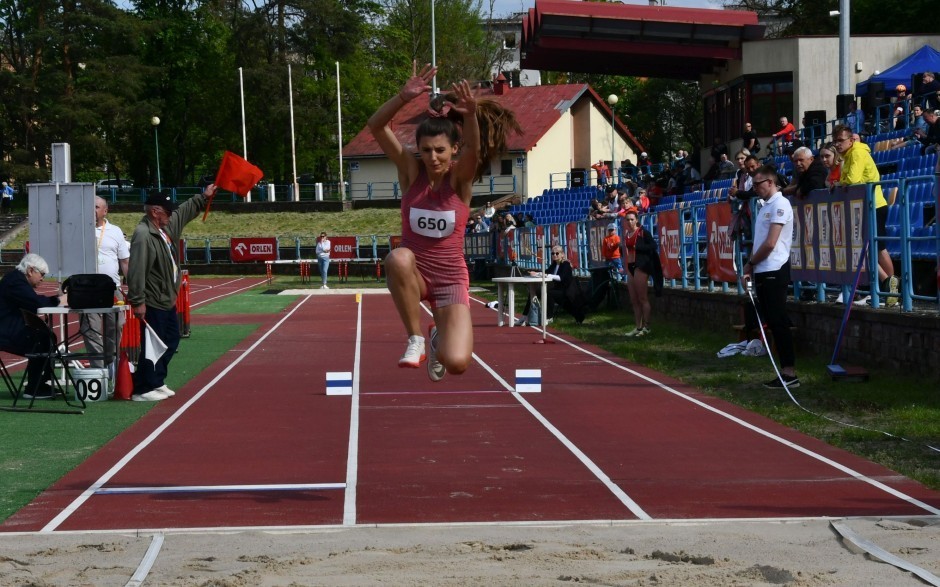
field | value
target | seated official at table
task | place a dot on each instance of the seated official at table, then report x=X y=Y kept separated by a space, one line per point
x=564 y=289
x=18 y=292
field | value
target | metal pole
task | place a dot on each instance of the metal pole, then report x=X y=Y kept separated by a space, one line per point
x=612 y=100
x=433 y=51
x=155 y=121
x=845 y=47
x=339 y=136
x=293 y=141
x=241 y=89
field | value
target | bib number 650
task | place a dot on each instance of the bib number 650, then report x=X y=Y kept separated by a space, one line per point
x=432 y=223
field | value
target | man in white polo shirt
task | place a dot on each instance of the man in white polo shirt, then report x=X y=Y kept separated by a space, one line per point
x=769 y=267
x=112 y=255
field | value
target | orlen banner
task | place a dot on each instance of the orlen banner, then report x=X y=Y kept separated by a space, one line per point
x=342 y=247
x=246 y=250
x=720 y=247
x=669 y=243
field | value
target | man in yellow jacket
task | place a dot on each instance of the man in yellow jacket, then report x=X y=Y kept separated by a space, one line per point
x=859 y=167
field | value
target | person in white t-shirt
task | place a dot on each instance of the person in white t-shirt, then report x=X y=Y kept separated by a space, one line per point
x=323 y=258
x=98 y=330
x=769 y=266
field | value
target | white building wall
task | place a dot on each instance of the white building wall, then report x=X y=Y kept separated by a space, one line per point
x=551 y=154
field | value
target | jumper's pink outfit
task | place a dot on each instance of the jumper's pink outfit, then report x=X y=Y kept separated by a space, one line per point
x=432 y=227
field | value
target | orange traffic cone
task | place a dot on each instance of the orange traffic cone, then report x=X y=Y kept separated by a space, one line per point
x=123 y=382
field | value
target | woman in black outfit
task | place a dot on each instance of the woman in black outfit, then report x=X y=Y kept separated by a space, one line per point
x=642 y=262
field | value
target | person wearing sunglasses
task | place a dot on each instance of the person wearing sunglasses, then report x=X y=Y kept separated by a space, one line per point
x=769 y=268
x=564 y=290
x=18 y=293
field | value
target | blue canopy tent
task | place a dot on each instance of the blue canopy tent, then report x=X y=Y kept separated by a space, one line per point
x=924 y=59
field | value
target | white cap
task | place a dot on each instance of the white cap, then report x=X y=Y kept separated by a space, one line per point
x=643 y=154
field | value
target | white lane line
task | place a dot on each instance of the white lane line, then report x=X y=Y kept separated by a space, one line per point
x=352 y=455
x=812 y=454
x=619 y=493
x=223 y=295
x=150 y=557
x=442 y=392
x=87 y=493
x=219 y=488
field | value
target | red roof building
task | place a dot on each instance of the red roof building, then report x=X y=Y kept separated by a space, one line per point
x=564 y=127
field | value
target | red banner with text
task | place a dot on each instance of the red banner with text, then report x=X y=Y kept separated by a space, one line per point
x=669 y=243
x=720 y=247
x=247 y=250
x=342 y=247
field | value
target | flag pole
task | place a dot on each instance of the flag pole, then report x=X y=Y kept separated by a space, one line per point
x=339 y=136
x=241 y=89
x=293 y=141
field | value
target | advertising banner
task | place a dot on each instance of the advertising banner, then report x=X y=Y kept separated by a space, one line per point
x=571 y=237
x=829 y=231
x=597 y=230
x=669 y=243
x=342 y=248
x=720 y=254
x=248 y=250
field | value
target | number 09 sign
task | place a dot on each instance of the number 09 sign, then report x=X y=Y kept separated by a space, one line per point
x=91 y=385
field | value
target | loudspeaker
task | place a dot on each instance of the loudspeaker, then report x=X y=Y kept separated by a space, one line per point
x=842 y=104
x=875 y=96
x=814 y=117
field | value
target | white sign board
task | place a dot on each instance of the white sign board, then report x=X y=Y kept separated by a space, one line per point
x=62 y=227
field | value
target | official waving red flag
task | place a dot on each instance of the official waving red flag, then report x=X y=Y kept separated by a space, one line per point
x=235 y=175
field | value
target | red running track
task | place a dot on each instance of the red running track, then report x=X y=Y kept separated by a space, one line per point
x=254 y=441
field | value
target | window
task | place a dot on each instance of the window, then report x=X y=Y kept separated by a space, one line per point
x=509 y=41
x=505 y=167
x=771 y=99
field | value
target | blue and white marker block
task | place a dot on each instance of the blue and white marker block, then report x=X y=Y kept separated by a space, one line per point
x=528 y=380
x=339 y=383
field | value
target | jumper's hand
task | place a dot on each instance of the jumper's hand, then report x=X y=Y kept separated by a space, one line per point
x=419 y=83
x=466 y=101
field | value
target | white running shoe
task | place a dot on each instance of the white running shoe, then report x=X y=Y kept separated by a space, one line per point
x=633 y=332
x=151 y=396
x=436 y=370
x=414 y=353
x=166 y=391
x=324 y=286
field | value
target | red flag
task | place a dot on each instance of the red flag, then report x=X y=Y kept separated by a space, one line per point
x=237 y=175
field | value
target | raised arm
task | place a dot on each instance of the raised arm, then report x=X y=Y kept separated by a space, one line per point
x=466 y=166
x=416 y=85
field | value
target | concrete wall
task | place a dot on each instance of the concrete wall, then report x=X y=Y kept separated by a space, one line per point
x=551 y=154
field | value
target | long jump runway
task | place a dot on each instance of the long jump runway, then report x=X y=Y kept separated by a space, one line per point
x=254 y=441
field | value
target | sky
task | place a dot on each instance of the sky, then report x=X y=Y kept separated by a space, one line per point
x=508 y=7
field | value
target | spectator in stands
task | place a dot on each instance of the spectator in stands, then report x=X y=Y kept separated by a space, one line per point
x=931 y=141
x=917 y=131
x=18 y=293
x=623 y=204
x=726 y=168
x=564 y=290
x=812 y=174
x=783 y=137
x=644 y=163
x=610 y=248
x=854 y=118
x=769 y=268
x=471 y=226
x=603 y=172
x=598 y=210
x=858 y=167
x=689 y=176
x=929 y=91
x=902 y=105
x=642 y=263
x=679 y=162
x=480 y=224
x=529 y=221
x=642 y=201
x=489 y=211
x=749 y=139
x=742 y=179
x=612 y=201
x=629 y=189
x=832 y=160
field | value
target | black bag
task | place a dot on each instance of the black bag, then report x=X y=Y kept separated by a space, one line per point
x=89 y=290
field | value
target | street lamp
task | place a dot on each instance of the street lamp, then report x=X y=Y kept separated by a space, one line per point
x=612 y=100
x=155 y=121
